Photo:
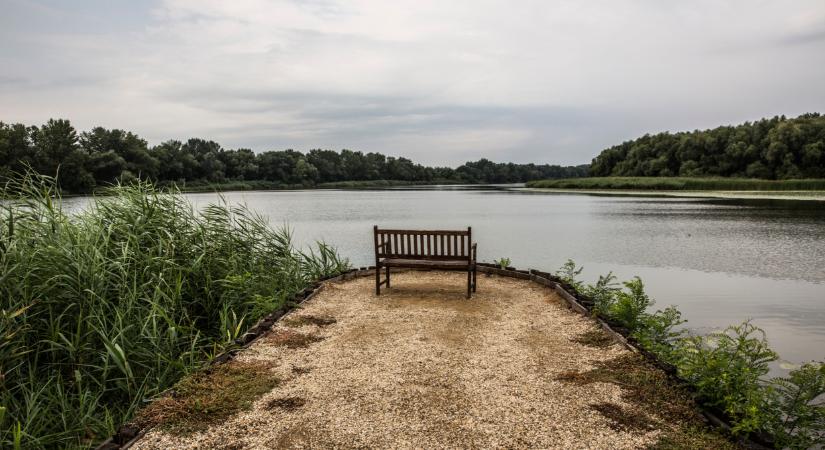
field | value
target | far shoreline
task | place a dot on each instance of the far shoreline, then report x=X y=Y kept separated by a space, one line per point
x=811 y=196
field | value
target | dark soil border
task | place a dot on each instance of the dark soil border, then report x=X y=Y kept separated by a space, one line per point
x=128 y=434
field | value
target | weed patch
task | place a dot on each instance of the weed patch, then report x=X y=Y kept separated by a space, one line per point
x=292 y=339
x=209 y=397
x=296 y=321
x=594 y=338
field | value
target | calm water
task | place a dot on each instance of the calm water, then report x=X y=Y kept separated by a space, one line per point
x=719 y=261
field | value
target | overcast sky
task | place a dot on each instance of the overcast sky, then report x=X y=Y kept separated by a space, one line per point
x=439 y=81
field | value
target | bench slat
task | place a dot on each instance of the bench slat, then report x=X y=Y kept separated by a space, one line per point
x=424 y=232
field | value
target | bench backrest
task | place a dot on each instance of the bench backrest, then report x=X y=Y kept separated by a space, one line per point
x=423 y=244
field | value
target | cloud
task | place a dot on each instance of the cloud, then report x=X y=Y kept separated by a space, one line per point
x=440 y=82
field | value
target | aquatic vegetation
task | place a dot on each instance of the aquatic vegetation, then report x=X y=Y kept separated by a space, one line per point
x=727 y=369
x=104 y=309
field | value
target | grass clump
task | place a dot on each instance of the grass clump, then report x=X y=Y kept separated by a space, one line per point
x=102 y=309
x=292 y=339
x=681 y=184
x=209 y=397
x=727 y=370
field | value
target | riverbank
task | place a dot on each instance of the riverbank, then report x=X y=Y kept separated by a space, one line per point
x=813 y=195
x=422 y=366
x=681 y=184
x=260 y=185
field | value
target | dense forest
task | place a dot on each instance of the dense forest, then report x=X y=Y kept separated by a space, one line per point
x=777 y=148
x=100 y=157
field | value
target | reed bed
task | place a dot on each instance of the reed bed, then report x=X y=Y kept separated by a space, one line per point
x=103 y=309
x=681 y=184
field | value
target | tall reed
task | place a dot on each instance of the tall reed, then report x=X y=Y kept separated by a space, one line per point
x=103 y=309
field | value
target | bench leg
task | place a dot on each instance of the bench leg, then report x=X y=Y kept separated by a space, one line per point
x=388 y=277
x=377 y=280
x=469 y=282
x=475 y=279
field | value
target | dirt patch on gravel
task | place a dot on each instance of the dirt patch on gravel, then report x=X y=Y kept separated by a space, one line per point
x=291 y=339
x=423 y=367
x=307 y=320
x=286 y=403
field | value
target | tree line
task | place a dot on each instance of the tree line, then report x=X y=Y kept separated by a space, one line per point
x=775 y=148
x=101 y=157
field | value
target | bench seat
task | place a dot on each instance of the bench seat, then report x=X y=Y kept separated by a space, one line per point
x=426 y=263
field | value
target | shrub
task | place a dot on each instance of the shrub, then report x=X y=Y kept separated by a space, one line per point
x=569 y=274
x=726 y=368
x=629 y=307
x=603 y=293
x=797 y=409
x=502 y=263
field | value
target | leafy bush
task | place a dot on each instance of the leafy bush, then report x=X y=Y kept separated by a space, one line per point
x=725 y=368
x=502 y=263
x=603 y=293
x=569 y=274
x=797 y=410
x=660 y=333
x=107 y=307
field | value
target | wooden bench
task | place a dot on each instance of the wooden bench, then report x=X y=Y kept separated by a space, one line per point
x=425 y=249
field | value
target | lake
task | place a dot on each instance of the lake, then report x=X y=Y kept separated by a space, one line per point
x=720 y=261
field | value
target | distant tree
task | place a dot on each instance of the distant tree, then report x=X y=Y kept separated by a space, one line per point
x=131 y=150
x=101 y=156
x=769 y=148
x=16 y=153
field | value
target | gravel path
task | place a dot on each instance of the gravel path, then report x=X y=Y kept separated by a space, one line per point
x=423 y=367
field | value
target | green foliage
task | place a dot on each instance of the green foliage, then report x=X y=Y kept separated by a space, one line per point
x=569 y=273
x=105 y=308
x=776 y=148
x=681 y=184
x=725 y=368
x=629 y=305
x=101 y=157
x=660 y=333
x=603 y=293
x=502 y=263
x=798 y=409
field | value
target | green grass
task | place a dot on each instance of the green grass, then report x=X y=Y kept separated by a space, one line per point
x=102 y=310
x=209 y=397
x=680 y=184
